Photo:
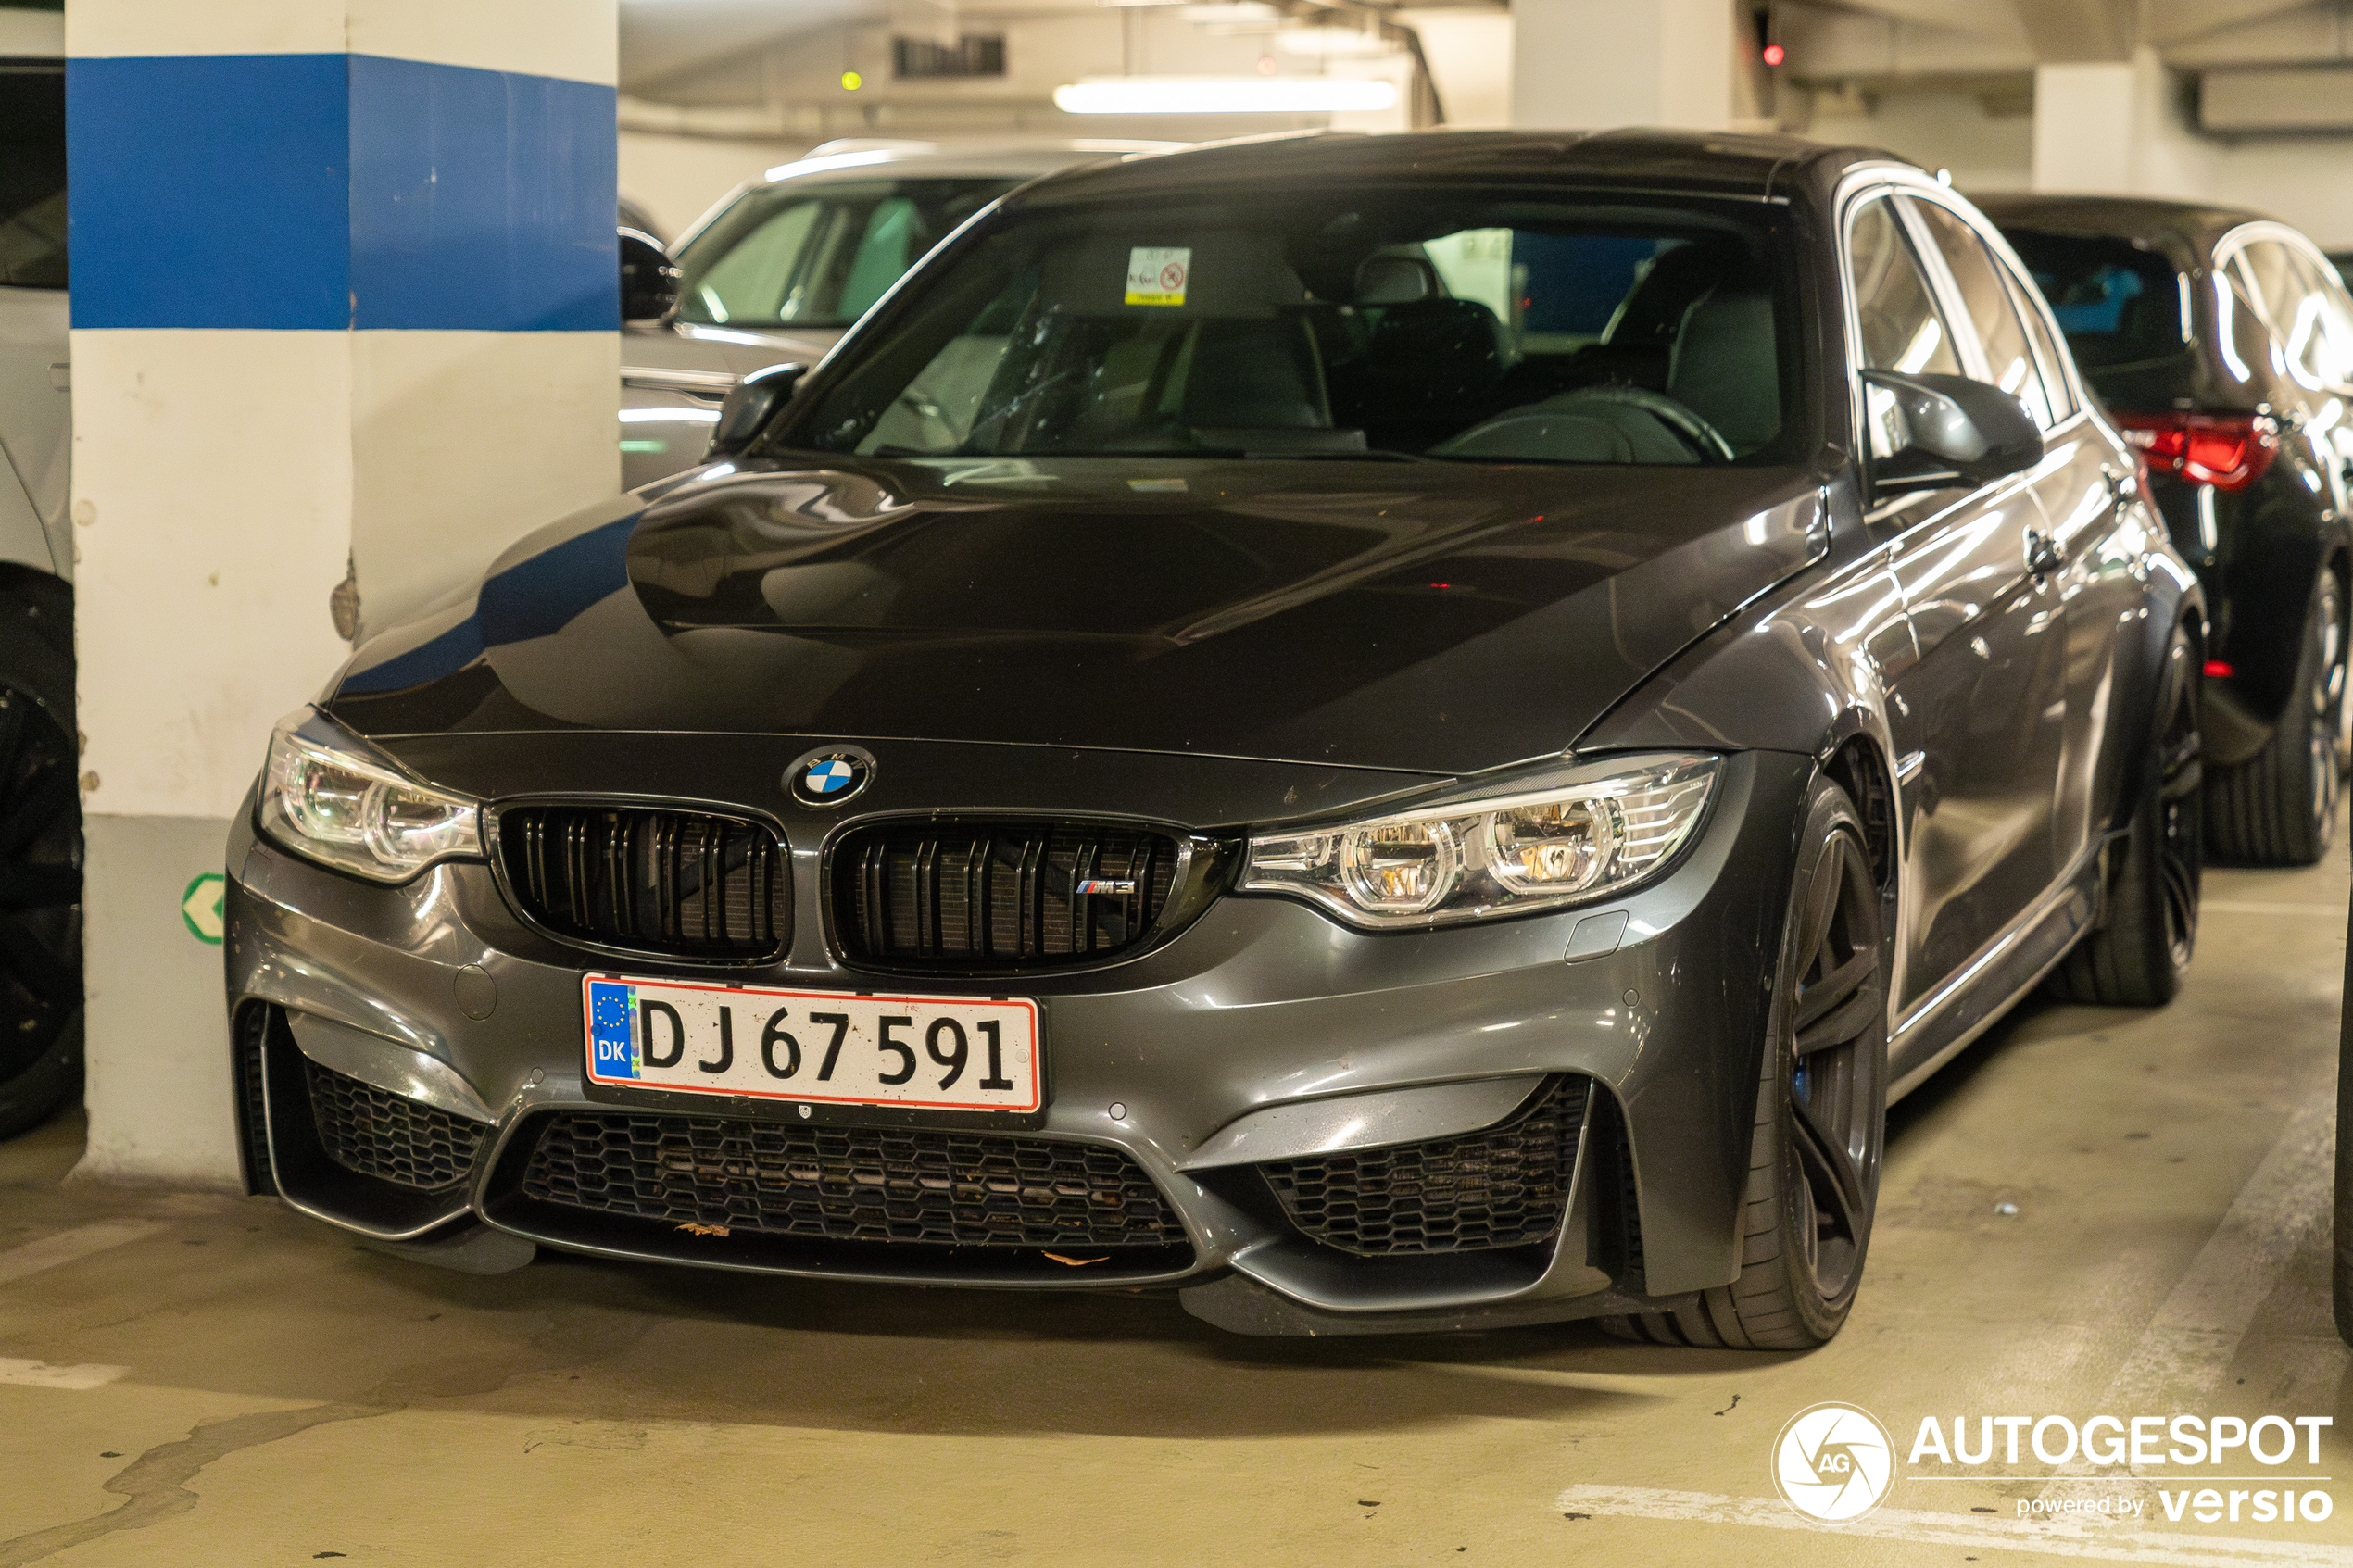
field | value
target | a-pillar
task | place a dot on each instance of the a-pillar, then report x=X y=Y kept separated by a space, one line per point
x=1590 y=65
x=345 y=315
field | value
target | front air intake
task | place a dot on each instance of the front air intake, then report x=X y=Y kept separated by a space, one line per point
x=1507 y=1185
x=689 y=885
x=1008 y=896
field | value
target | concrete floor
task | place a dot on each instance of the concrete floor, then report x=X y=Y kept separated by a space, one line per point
x=205 y=1380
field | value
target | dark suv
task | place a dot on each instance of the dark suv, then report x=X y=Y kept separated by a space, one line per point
x=2223 y=344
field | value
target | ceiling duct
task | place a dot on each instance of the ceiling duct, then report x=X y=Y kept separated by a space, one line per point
x=2276 y=100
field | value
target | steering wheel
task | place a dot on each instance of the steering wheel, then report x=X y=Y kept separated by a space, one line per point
x=1707 y=443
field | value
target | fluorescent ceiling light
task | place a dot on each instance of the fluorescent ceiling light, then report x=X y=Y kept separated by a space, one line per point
x=1236 y=11
x=1219 y=94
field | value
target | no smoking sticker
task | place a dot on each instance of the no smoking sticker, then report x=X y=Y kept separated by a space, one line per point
x=1156 y=274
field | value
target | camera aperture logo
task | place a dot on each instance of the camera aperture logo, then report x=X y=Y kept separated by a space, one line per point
x=1833 y=1463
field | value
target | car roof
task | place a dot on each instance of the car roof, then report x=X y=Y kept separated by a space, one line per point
x=1756 y=167
x=1006 y=159
x=2146 y=218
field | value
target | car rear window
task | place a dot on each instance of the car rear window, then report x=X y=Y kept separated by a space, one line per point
x=32 y=174
x=2117 y=303
x=1437 y=322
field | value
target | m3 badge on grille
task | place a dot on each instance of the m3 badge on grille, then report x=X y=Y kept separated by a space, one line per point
x=829 y=777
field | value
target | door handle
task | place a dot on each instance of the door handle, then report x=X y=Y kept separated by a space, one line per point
x=2042 y=553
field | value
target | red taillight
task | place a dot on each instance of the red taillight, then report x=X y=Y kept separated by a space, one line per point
x=2228 y=451
x=2219 y=669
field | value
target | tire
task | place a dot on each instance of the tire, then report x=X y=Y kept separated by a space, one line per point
x=2279 y=809
x=1822 y=1111
x=40 y=1036
x=2137 y=955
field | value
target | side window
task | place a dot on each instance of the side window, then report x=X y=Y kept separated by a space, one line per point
x=1902 y=329
x=2010 y=354
x=32 y=177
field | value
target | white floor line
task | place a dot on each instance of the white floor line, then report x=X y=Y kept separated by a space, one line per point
x=2050 y=1538
x=41 y=1375
x=2261 y=907
x=2187 y=1348
x=68 y=1247
x=2189 y=1343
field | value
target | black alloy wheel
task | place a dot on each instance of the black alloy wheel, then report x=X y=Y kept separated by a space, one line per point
x=2280 y=807
x=2136 y=956
x=40 y=857
x=1821 y=1116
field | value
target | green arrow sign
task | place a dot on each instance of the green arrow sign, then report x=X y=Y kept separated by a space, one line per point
x=200 y=906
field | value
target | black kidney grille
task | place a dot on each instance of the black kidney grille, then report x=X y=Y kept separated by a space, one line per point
x=999 y=895
x=383 y=1135
x=851 y=1184
x=686 y=884
x=1505 y=1186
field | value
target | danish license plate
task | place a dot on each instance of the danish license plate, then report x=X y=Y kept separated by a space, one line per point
x=947 y=1053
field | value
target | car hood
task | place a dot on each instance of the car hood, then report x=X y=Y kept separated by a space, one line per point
x=1431 y=617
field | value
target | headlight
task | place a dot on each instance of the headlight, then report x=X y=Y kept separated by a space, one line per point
x=1503 y=854
x=328 y=795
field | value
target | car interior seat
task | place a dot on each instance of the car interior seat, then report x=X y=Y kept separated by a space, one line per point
x=1430 y=361
x=1724 y=365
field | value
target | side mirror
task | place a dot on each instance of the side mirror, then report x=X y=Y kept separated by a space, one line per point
x=648 y=278
x=1930 y=432
x=750 y=403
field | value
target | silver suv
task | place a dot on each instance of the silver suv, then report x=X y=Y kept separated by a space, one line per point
x=780 y=269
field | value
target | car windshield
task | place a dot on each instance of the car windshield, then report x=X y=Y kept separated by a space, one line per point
x=1429 y=321
x=2118 y=304
x=809 y=254
x=33 y=175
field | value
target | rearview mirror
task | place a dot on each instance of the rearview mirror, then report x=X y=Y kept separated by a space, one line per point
x=1930 y=432
x=750 y=402
x=648 y=278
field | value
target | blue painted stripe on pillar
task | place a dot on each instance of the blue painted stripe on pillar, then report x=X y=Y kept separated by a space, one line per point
x=209 y=190
x=296 y=192
x=482 y=199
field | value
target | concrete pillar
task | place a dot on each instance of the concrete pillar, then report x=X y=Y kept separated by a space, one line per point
x=1581 y=64
x=345 y=301
x=2115 y=125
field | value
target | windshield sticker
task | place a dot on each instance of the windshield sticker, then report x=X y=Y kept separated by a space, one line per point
x=1156 y=274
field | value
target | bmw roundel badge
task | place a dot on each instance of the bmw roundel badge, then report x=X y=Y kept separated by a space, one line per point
x=829 y=777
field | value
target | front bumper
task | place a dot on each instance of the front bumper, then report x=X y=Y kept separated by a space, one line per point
x=1264 y=1031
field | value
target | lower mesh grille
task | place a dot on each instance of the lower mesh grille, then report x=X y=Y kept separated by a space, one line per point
x=382 y=1135
x=851 y=1184
x=1506 y=1185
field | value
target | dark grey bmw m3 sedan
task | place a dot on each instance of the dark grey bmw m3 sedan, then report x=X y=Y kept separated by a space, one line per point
x=1380 y=732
